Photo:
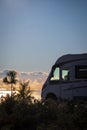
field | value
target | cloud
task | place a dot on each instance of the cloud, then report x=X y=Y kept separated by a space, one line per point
x=36 y=78
x=32 y=75
x=3 y=73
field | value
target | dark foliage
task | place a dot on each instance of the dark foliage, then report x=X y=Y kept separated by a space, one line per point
x=22 y=112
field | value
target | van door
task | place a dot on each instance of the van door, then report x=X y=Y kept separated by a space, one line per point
x=54 y=82
x=66 y=84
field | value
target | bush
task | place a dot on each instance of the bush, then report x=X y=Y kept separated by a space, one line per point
x=16 y=114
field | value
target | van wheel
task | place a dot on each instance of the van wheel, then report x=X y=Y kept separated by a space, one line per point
x=51 y=96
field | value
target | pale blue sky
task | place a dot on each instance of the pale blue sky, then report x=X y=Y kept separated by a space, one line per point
x=34 y=33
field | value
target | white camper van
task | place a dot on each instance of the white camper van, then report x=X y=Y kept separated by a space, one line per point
x=67 y=79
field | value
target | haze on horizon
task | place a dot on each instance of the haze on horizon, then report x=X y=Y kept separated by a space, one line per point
x=35 y=33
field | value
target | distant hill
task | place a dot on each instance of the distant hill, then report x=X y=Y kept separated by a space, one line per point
x=36 y=78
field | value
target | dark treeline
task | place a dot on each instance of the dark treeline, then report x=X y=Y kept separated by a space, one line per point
x=23 y=112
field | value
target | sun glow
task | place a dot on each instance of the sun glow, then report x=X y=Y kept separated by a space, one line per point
x=36 y=81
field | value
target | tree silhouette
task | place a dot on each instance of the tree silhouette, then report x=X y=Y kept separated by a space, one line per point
x=11 y=78
x=25 y=92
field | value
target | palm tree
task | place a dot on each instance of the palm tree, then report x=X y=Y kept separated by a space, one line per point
x=11 y=78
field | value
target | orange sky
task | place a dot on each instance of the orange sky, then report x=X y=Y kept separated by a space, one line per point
x=36 y=80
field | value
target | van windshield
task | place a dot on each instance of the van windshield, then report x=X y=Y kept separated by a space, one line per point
x=55 y=74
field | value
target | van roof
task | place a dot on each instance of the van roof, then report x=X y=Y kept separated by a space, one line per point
x=70 y=58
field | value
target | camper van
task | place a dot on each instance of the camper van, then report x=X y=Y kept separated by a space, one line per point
x=67 y=79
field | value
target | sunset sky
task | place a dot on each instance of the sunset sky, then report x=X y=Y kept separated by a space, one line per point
x=35 y=33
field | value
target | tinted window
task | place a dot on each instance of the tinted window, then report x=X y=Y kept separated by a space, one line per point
x=81 y=71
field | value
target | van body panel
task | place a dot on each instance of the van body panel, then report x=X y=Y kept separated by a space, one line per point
x=68 y=78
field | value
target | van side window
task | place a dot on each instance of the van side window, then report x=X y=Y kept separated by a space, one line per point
x=65 y=75
x=81 y=72
x=55 y=74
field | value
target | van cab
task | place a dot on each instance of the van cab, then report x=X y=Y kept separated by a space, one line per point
x=67 y=79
